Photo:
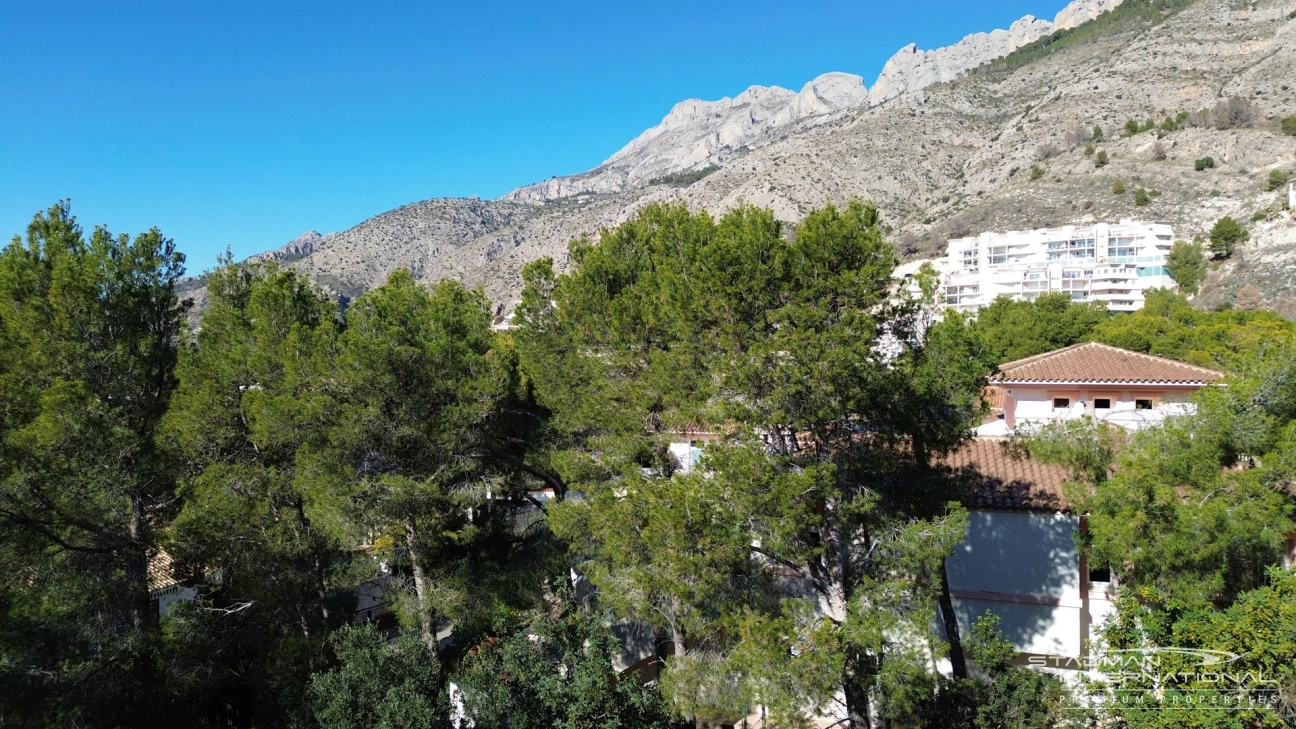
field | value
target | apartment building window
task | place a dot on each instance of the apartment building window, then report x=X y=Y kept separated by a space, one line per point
x=1061 y=403
x=1102 y=403
x=1142 y=404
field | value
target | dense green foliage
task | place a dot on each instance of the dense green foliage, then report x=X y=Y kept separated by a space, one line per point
x=1187 y=265
x=286 y=461
x=1226 y=235
x=561 y=674
x=1016 y=329
x=1167 y=326
x=379 y=684
x=88 y=332
x=674 y=319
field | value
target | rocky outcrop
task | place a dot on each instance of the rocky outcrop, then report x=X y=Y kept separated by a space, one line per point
x=1081 y=11
x=911 y=69
x=698 y=134
x=299 y=247
x=412 y=237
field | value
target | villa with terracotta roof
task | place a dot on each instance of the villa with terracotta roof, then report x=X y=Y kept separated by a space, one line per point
x=1019 y=559
x=1110 y=384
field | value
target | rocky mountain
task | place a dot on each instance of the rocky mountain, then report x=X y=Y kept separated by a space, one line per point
x=911 y=69
x=699 y=135
x=991 y=133
x=295 y=249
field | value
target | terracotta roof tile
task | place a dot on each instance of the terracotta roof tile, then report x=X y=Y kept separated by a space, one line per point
x=161 y=571
x=1006 y=483
x=1094 y=362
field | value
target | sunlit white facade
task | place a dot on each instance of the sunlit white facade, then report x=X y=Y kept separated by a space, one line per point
x=1112 y=264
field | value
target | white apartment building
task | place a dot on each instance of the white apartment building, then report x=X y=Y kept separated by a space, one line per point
x=1107 y=263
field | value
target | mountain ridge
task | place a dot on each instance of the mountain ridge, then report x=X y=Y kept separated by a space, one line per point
x=939 y=159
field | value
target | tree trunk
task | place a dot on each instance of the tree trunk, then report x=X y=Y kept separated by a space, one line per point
x=958 y=664
x=321 y=588
x=142 y=615
x=679 y=641
x=426 y=624
x=857 y=704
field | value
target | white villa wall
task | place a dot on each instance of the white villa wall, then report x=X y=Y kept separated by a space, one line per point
x=1033 y=405
x=1025 y=568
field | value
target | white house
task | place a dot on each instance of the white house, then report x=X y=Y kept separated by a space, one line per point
x=1112 y=264
x=1109 y=384
x=1019 y=559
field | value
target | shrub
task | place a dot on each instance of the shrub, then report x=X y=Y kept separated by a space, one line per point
x=1278 y=178
x=1205 y=163
x=1227 y=235
x=1141 y=197
x=1047 y=151
x=1232 y=113
x=1169 y=125
x=1118 y=187
x=1076 y=137
x=957 y=227
x=1248 y=298
x=1158 y=152
x=1289 y=125
x=1036 y=172
x=1132 y=127
x=1149 y=124
x=1097 y=133
x=1101 y=159
x=1089 y=149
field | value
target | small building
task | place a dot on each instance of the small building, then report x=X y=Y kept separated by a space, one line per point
x=164 y=589
x=1109 y=384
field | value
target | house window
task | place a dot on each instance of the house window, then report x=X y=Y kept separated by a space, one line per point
x=1061 y=402
x=1142 y=404
x=1100 y=573
x=1102 y=403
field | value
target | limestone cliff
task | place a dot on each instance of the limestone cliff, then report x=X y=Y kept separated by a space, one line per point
x=699 y=134
x=911 y=69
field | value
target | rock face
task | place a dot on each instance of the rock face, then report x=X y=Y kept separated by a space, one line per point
x=957 y=157
x=1081 y=11
x=911 y=69
x=699 y=134
x=412 y=236
x=299 y=247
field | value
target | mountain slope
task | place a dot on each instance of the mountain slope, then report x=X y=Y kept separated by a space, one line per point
x=940 y=160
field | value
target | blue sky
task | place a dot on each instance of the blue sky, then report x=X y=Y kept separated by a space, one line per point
x=243 y=124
